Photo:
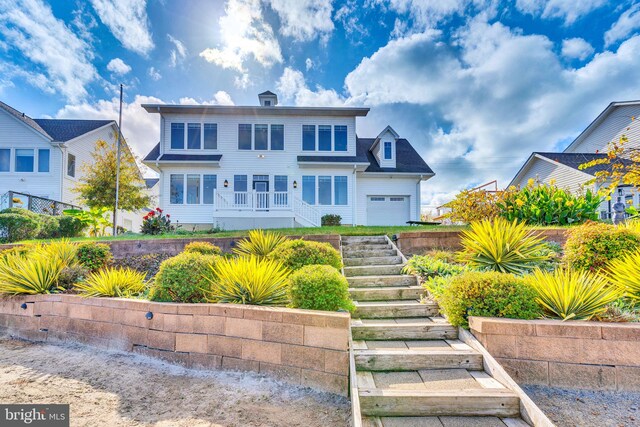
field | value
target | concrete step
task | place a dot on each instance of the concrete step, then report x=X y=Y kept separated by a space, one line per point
x=363 y=240
x=348 y=253
x=377 y=281
x=411 y=403
x=394 y=309
x=387 y=260
x=417 y=359
x=387 y=293
x=412 y=329
x=373 y=270
x=366 y=247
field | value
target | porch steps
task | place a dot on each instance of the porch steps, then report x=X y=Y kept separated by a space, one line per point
x=411 y=370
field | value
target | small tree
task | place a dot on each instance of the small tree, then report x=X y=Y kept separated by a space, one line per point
x=97 y=188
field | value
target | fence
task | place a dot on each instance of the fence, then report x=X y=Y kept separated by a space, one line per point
x=40 y=205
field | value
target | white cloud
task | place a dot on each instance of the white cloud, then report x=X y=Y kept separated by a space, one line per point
x=154 y=74
x=626 y=24
x=308 y=63
x=292 y=87
x=569 y=11
x=178 y=53
x=576 y=48
x=118 y=66
x=61 y=61
x=128 y=22
x=349 y=15
x=304 y=20
x=219 y=98
x=245 y=34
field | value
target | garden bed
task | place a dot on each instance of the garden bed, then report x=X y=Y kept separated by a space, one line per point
x=303 y=347
x=568 y=354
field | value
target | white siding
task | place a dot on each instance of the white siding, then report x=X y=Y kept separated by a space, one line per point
x=546 y=171
x=616 y=124
x=385 y=186
x=15 y=134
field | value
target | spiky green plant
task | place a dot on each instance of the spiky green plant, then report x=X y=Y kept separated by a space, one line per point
x=501 y=245
x=36 y=274
x=260 y=243
x=62 y=249
x=248 y=280
x=572 y=295
x=625 y=274
x=113 y=282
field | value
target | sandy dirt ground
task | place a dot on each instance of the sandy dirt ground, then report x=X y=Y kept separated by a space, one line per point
x=120 y=389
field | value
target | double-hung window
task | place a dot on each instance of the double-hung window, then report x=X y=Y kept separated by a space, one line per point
x=309 y=137
x=309 y=189
x=244 y=137
x=176 y=189
x=209 y=184
x=387 y=150
x=177 y=136
x=210 y=136
x=324 y=190
x=24 y=160
x=193 y=136
x=44 y=155
x=340 y=190
x=340 y=138
x=5 y=159
x=261 y=137
x=277 y=137
x=324 y=138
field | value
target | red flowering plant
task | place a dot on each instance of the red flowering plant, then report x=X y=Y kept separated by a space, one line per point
x=156 y=222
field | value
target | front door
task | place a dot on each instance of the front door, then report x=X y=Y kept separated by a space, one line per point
x=261 y=187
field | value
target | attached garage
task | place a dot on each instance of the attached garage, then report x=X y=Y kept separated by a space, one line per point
x=388 y=210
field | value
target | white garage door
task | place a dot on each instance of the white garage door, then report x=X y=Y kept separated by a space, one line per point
x=387 y=210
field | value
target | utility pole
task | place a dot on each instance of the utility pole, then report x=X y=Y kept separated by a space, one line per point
x=115 y=208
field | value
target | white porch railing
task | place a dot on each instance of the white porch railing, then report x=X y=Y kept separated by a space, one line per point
x=307 y=212
x=252 y=200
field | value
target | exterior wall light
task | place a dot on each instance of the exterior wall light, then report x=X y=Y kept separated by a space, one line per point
x=226 y=183
x=149 y=315
x=295 y=184
x=23 y=306
x=261 y=156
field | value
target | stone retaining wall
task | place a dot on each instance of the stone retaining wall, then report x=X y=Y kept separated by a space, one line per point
x=303 y=347
x=418 y=242
x=125 y=248
x=582 y=355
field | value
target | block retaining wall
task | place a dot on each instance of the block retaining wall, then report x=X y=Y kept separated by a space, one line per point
x=570 y=354
x=304 y=347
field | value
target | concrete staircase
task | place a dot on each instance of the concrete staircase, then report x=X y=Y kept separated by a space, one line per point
x=411 y=369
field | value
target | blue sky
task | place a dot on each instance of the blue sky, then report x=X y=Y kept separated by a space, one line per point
x=474 y=85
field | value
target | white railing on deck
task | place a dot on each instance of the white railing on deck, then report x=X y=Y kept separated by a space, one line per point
x=306 y=211
x=252 y=200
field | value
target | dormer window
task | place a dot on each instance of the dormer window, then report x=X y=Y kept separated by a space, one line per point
x=267 y=103
x=388 y=154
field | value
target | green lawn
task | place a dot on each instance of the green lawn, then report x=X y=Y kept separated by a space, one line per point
x=301 y=231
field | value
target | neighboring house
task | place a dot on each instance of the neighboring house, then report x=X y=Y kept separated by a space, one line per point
x=616 y=120
x=239 y=167
x=44 y=157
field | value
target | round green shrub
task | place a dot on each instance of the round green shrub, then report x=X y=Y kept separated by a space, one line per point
x=183 y=278
x=94 y=256
x=204 y=248
x=593 y=245
x=489 y=294
x=295 y=254
x=319 y=287
x=15 y=227
x=70 y=226
x=49 y=227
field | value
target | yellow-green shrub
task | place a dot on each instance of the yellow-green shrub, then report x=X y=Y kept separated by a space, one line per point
x=204 y=248
x=625 y=274
x=593 y=245
x=572 y=295
x=320 y=287
x=182 y=278
x=33 y=274
x=501 y=245
x=295 y=254
x=113 y=282
x=248 y=280
x=490 y=294
x=259 y=243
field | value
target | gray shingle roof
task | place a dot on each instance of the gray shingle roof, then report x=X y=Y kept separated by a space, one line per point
x=407 y=158
x=154 y=155
x=150 y=182
x=574 y=160
x=63 y=130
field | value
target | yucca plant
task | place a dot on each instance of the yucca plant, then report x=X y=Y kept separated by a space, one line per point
x=248 y=280
x=502 y=245
x=625 y=274
x=63 y=249
x=260 y=243
x=35 y=274
x=113 y=282
x=573 y=295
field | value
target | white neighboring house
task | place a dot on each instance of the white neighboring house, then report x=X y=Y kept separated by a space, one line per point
x=270 y=166
x=44 y=157
x=618 y=119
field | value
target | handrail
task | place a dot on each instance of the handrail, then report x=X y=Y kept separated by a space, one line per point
x=252 y=200
x=307 y=212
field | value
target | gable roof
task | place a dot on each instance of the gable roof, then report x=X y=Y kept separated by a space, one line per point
x=267 y=92
x=151 y=182
x=63 y=130
x=574 y=160
x=24 y=119
x=407 y=158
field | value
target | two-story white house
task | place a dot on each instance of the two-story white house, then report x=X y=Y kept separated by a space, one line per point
x=45 y=157
x=618 y=119
x=271 y=166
